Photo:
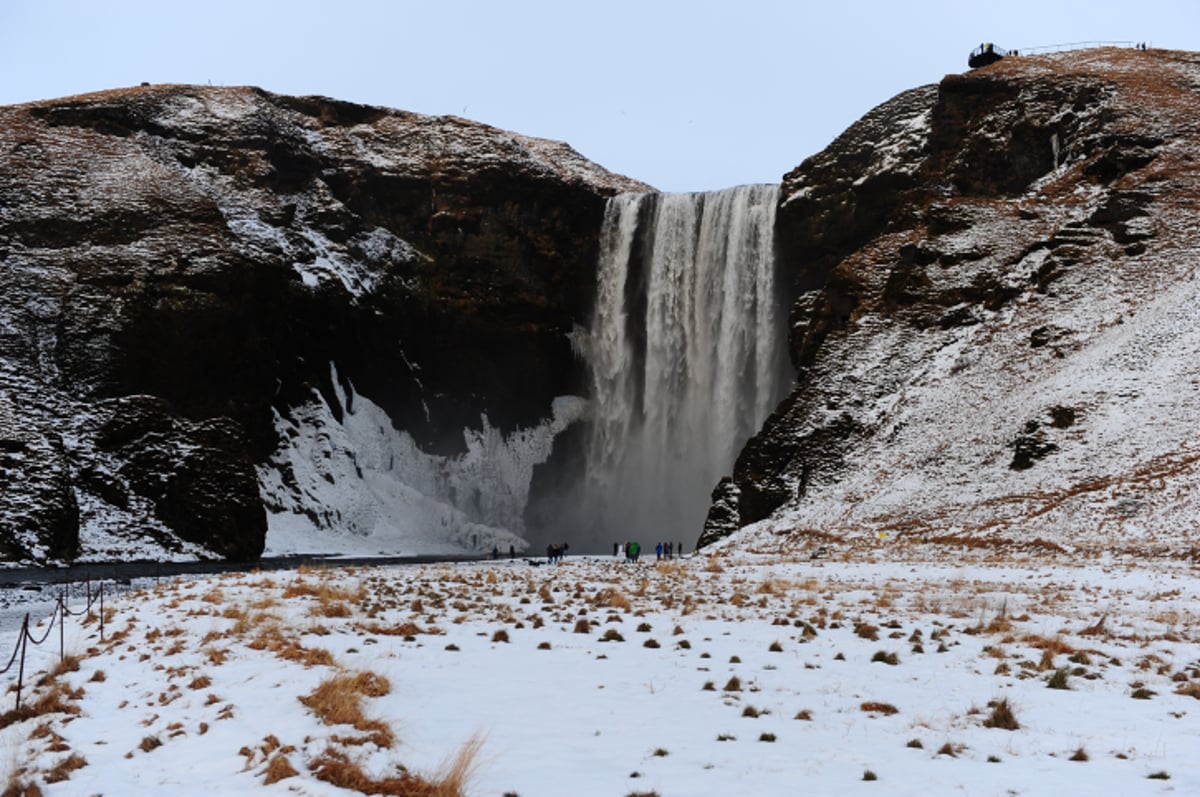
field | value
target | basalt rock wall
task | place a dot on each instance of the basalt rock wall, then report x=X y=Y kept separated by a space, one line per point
x=180 y=265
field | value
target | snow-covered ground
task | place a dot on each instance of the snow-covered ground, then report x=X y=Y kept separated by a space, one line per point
x=867 y=672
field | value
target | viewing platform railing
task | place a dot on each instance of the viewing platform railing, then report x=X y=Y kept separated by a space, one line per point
x=1059 y=48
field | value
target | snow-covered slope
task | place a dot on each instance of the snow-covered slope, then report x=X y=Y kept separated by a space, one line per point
x=1003 y=347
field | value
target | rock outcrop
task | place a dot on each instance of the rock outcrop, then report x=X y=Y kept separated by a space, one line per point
x=997 y=317
x=181 y=266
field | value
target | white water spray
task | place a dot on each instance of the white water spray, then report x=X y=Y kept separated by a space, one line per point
x=687 y=357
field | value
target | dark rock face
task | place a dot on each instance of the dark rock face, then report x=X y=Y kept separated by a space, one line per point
x=964 y=255
x=41 y=517
x=198 y=476
x=179 y=264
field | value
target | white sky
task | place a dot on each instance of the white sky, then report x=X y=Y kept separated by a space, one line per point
x=683 y=94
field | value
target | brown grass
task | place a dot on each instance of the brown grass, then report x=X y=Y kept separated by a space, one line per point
x=68 y=663
x=338 y=701
x=279 y=768
x=611 y=598
x=1055 y=645
x=54 y=699
x=274 y=640
x=1189 y=690
x=63 y=769
x=325 y=592
x=336 y=768
x=1002 y=716
x=403 y=629
x=867 y=631
x=887 y=709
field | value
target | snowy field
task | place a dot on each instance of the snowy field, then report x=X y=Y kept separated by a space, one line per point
x=706 y=676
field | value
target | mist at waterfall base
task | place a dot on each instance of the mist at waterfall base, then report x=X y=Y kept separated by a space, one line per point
x=686 y=351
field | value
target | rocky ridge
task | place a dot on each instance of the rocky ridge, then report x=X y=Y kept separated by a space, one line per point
x=183 y=267
x=998 y=319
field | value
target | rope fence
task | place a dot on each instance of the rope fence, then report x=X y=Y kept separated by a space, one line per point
x=60 y=614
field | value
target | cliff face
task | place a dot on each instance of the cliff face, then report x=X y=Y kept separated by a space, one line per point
x=181 y=266
x=998 y=316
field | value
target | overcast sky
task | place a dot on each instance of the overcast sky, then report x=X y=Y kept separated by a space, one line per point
x=683 y=94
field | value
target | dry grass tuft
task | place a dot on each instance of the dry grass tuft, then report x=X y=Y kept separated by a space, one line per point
x=1189 y=690
x=338 y=701
x=279 y=768
x=273 y=639
x=337 y=769
x=459 y=770
x=68 y=663
x=1060 y=679
x=1054 y=645
x=611 y=598
x=1002 y=716
x=54 y=699
x=63 y=769
x=1098 y=628
x=867 y=631
x=886 y=709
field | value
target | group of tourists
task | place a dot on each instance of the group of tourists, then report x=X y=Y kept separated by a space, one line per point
x=556 y=552
x=633 y=550
x=668 y=550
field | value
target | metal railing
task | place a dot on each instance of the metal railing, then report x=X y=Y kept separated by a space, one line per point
x=1060 y=48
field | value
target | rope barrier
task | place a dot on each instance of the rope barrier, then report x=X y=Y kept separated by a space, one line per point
x=61 y=613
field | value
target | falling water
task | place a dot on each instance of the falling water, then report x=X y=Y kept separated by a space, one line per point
x=687 y=357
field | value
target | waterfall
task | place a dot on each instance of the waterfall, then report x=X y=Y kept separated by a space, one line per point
x=687 y=355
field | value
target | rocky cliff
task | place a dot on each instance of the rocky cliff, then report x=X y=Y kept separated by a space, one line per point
x=198 y=287
x=997 y=324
